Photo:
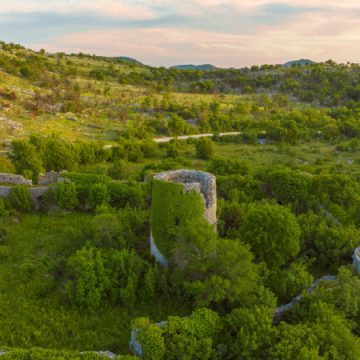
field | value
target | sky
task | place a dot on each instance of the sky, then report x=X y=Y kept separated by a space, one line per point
x=225 y=33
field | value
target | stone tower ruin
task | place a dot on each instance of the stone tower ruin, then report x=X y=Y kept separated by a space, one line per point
x=204 y=184
x=356 y=259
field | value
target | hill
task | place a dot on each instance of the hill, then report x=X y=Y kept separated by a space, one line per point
x=76 y=271
x=204 y=67
x=84 y=96
x=129 y=60
x=300 y=62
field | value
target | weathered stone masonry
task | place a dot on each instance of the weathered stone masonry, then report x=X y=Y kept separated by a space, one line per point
x=13 y=179
x=203 y=183
x=37 y=192
x=356 y=259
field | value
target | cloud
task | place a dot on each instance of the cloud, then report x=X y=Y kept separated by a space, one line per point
x=268 y=44
x=110 y=8
x=166 y=32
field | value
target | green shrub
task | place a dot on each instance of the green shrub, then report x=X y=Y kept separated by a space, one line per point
x=86 y=179
x=48 y=354
x=228 y=167
x=150 y=338
x=117 y=170
x=88 y=279
x=204 y=148
x=98 y=195
x=3 y=210
x=67 y=196
x=131 y=194
x=20 y=198
x=106 y=231
x=273 y=233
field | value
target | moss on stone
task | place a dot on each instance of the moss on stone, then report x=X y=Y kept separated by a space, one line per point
x=171 y=208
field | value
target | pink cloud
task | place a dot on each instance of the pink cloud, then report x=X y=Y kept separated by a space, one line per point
x=104 y=7
x=310 y=36
x=295 y=3
x=333 y=32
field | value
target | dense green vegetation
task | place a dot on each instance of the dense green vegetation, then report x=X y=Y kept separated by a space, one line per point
x=166 y=221
x=75 y=271
x=41 y=354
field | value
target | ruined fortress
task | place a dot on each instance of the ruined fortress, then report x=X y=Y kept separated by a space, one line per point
x=356 y=259
x=13 y=179
x=7 y=181
x=201 y=182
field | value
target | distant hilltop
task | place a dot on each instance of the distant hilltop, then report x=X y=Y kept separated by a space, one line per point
x=129 y=60
x=194 y=67
x=300 y=62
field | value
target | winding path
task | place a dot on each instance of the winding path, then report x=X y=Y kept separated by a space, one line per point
x=196 y=136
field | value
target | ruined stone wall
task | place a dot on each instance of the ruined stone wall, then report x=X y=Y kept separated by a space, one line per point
x=155 y=252
x=356 y=259
x=14 y=179
x=178 y=196
x=5 y=191
x=49 y=178
x=202 y=182
x=36 y=192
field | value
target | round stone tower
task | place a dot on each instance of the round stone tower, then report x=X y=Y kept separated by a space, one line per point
x=356 y=259
x=179 y=196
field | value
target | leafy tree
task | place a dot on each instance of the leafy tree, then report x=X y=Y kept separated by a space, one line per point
x=124 y=269
x=106 y=231
x=3 y=210
x=191 y=337
x=273 y=233
x=87 y=278
x=297 y=342
x=290 y=282
x=337 y=188
x=289 y=187
x=232 y=276
x=177 y=125
x=124 y=195
x=248 y=333
x=151 y=339
x=204 y=148
x=150 y=283
x=20 y=198
x=347 y=294
x=230 y=219
x=333 y=332
x=330 y=243
x=228 y=167
x=98 y=195
x=6 y=166
x=59 y=155
x=149 y=148
x=26 y=159
x=343 y=294
x=238 y=188
x=67 y=195
x=117 y=170
x=215 y=270
x=173 y=148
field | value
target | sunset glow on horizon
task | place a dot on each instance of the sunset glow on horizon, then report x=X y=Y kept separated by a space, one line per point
x=225 y=33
